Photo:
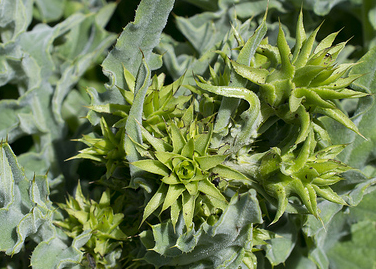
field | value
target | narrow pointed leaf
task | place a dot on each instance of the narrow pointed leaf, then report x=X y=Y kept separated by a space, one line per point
x=304 y=75
x=255 y=75
x=202 y=142
x=173 y=193
x=284 y=50
x=326 y=42
x=178 y=140
x=343 y=82
x=338 y=94
x=157 y=143
x=188 y=209
x=210 y=161
x=249 y=49
x=329 y=152
x=171 y=179
x=192 y=188
x=208 y=188
x=306 y=49
x=130 y=80
x=280 y=191
x=228 y=91
x=327 y=193
x=230 y=174
x=338 y=115
x=152 y=166
x=300 y=36
x=188 y=149
x=157 y=199
x=312 y=97
x=176 y=208
x=337 y=73
x=305 y=123
x=303 y=155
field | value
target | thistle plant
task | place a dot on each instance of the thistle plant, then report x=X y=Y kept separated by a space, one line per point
x=160 y=102
x=295 y=88
x=105 y=150
x=184 y=162
x=85 y=215
x=300 y=84
x=231 y=147
x=306 y=176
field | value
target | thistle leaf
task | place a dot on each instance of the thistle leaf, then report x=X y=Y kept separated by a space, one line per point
x=178 y=141
x=326 y=42
x=152 y=166
x=155 y=201
x=337 y=115
x=335 y=94
x=188 y=149
x=150 y=20
x=208 y=188
x=300 y=36
x=173 y=194
x=188 y=209
x=171 y=179
x=210 y=161
x=287 y=68
x=255 y=75
x=306 y=50
x=327 y=193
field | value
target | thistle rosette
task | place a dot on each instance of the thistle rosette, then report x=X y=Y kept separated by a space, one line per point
x=160 y=102
x=302 y=173
x=106 y=149
x=105 y=243
x=184 y=162
x=295 y=86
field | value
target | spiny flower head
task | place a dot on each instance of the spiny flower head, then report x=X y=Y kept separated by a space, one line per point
x=300 y=84
x=303 y=173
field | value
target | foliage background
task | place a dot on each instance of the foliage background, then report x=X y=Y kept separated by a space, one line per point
x=51 y=52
